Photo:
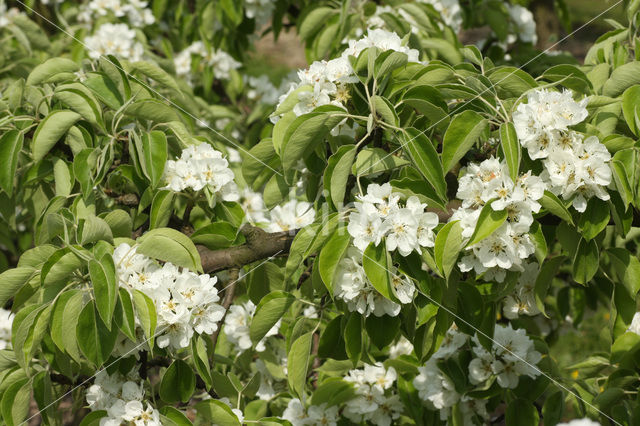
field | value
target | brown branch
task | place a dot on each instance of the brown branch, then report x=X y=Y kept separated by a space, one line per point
x=259 y=245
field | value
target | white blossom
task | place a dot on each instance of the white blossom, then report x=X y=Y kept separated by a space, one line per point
x=238 y=322
x=293 y=214
x=376 y=401
x=186 y=303
x=114 y=39
x=199 y=166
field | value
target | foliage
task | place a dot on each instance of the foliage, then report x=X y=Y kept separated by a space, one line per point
x=403 y=233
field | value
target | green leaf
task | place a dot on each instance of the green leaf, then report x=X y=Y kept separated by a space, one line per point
x=306 y=132
x=12 y=280
x=105 y=89
x=50 y=130
x=375 y=160
x=594 y=219
x=586 y=261
x=10 y=145
x=270 y=309
x=80 y=99
x=627 y=268
x=15 y=402
x=333 y=391
x=46 y=70
x=553 y=205
x=146 y=313
x=429 y=102
x=105 y=286
x=175 y=415
x=95 y=229
x=447 y=247
x=548 y=270
x=120 y=223
x=64 y=321
x=621 y=79
x=93 y=418
x=95 y=340
x=152 y=110
x=216 y=235
x=314 y=21
x=553 y=408
x=172 y=246
x=521 y=412
x=298 y=363
x=128 y=323
x=154 y=155
x=376 y=262
x=631 y=108
x=337 y=172
x=62 y=177
x=382 y=330
x=156 y=73
x=161 y=209
x=385 y=110
x=463 y=131
x=217 y=412
x=424 y=156
x=178 y=383
x=488 y=222
x=353 y=338
x=330 y=256
x=510 y=148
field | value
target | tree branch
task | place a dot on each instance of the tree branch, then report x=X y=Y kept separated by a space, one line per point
x=260 y=245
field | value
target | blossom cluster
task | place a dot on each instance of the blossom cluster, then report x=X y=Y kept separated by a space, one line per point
x=511 y=356
x=523 y=23
x=238 y=322
x=122 y=398
x=114 y=39
x=379 y=214
x=185 y=301
x=435 y=388
x=354 y=288
x=510 y=244
x=314 y=415
x=575 y=168
x=220 y=61
x=6 y=321
x=199 y=166
x=375 y=402
x=326 y=81
x=135 y=11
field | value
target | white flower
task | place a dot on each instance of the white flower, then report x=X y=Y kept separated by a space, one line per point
x=401 y=347
x=525 y=25
x=634 y=327
x=449 y=10
x=401 y=228
x=293 y=214
x=434 y=387
x=365 y=229
x=541 y=120
x=114 y=39
x=237 y=324
x=580 y=422
x=452 y=341
x=295 y=413
x=199 y=166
